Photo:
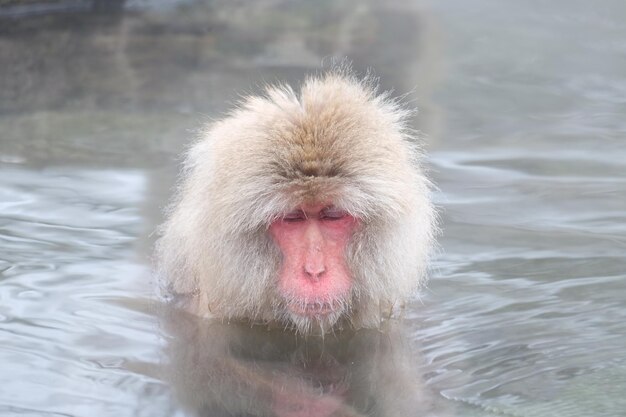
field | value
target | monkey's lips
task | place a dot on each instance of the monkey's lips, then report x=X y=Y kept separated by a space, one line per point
x=316 y=309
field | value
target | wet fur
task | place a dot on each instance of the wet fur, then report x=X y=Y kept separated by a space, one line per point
x=337 y=140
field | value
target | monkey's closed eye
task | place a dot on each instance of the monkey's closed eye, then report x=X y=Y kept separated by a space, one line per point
x=332 y=213
x=294 y=216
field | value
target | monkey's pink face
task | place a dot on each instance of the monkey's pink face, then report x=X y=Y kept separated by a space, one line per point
x=314 y=279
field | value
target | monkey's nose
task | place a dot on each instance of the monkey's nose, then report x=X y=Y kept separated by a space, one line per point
x=314 y=266
x=314 y=262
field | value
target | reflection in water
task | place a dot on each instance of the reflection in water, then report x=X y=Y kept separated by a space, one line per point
x=236 y=369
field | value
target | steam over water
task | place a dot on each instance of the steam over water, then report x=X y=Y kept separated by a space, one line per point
x=524 y=104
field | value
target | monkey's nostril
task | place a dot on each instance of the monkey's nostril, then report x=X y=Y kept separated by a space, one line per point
x=314 y=271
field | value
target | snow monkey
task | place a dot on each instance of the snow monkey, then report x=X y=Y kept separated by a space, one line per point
x=305 y=209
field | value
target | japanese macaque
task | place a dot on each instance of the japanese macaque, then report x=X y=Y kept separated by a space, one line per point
x=308 y=210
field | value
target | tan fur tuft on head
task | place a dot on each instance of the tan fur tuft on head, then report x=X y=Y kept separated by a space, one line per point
x=337 y=140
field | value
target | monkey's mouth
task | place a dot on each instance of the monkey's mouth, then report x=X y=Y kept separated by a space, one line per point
x=316 y=309
x=314 y=317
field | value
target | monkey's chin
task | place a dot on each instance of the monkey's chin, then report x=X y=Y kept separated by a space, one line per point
x=316 y=322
